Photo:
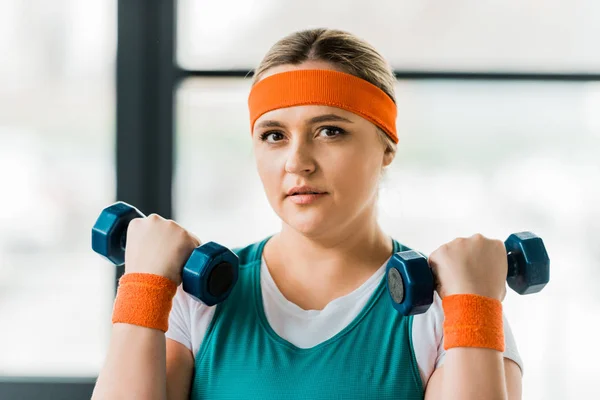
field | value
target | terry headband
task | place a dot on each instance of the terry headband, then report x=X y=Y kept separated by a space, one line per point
x=323 y=87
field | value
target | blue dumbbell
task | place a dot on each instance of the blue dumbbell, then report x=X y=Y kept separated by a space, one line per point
x=209 y=274
x=410 y=281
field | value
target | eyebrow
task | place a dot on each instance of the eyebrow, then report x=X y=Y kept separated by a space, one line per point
x=314 y=120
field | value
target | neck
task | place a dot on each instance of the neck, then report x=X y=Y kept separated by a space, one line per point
x=334 y=262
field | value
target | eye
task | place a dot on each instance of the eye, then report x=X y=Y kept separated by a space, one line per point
x=271 y=136
x=332 y=131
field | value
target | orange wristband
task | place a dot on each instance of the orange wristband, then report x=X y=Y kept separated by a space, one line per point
x=144 y=299
x=473 y=321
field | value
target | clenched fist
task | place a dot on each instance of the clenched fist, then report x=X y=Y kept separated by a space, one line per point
x=474 y=265
x=158 y=246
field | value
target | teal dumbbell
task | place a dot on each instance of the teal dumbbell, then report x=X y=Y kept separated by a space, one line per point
x=410 y=281
x=209 y=274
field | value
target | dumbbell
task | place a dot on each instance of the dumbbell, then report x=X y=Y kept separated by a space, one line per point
x=410 y=281
x=209 y=274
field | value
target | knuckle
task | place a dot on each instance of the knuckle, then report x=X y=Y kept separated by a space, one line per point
x=178 y=230
x=138 y=224
x=478 y=237
x=173 y=226
x=460 y=241
x=181 y=233
x=134 y=223
x=500 y=245
x=195 y=239
x=439 y=250
x=154 y=217
x=186 y=244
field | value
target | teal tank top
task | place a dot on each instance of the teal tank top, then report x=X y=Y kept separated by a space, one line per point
x=241 y=356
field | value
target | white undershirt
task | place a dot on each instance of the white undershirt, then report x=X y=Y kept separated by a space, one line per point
x=189 y=321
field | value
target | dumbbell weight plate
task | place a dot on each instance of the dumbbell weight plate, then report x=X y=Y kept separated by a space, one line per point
x=410 y=282
x=210 y=273
x=109 y=231
x=528 y=263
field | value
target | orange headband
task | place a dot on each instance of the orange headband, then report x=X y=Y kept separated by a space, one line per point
x=324 y=87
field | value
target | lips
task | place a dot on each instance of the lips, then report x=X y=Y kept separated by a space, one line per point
x=299 y=190
x=306 y=198
x=311 y=192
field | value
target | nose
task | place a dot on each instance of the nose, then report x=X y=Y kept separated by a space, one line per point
x=300 y=159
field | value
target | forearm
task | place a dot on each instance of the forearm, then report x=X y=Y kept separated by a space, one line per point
x=474 y=373
x=135 y=366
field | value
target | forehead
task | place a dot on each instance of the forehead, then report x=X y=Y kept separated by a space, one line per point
x=302 y=114
x=305 y=65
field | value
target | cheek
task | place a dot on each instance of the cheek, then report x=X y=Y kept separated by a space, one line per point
x=355 y=173
x=269 y=172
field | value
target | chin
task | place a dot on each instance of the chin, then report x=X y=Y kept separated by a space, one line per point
x=308 y=223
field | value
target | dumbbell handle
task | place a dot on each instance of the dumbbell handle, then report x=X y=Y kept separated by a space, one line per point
x=515 y=260
x=123 y=240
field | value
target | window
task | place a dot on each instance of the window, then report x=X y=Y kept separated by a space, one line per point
x=57 y=173
x=412 y=35
x=216 y=187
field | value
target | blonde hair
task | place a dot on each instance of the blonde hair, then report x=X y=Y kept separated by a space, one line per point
x=342 y=49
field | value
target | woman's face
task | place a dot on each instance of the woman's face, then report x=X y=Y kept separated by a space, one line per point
x=328 y=149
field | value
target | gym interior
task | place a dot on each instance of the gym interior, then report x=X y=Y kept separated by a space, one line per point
x=145 y=102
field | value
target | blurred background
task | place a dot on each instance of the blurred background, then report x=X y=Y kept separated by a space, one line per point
x=145 y=102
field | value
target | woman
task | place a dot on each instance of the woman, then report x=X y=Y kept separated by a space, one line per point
x=309 y=317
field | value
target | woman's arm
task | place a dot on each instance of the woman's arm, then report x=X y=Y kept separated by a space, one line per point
x=135 y=366
x=471 y=281
x=180 y=370
x=136 y=363
x=474 y=373
x=142 y=364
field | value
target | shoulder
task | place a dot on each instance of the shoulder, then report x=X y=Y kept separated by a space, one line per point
x=250 y=253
